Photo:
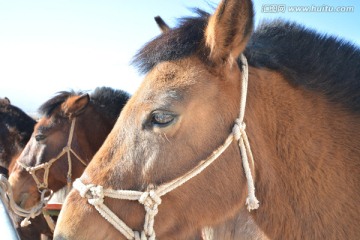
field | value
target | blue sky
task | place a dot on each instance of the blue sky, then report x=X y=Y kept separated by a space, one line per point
x=48 y=46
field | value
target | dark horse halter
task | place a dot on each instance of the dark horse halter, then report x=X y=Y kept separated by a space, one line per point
x=46 y=166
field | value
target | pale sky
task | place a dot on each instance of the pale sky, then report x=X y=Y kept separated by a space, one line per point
x=48 y=46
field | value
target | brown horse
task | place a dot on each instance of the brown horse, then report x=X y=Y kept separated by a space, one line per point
x=95 y=116
x=303 y=120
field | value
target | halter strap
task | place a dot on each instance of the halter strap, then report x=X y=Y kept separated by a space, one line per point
x=46 y=166
x=151 y=198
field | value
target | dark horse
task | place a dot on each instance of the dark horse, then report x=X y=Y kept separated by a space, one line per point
x=95 y=116
x=303 y=123
x=16 y=128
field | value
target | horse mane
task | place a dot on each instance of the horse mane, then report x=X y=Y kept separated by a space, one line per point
x=317 y=62
x=109 y=101
x=13 y=117
x=177 y=43
x=106 y=100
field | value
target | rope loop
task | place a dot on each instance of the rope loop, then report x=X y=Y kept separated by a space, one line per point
x=6 y=195
x=143 y=198
x=155 y=197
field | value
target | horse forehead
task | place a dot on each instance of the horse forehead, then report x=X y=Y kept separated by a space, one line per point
x=179 y=72
x=44 y=123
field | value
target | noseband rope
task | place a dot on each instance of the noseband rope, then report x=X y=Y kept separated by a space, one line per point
x=6 y=195
x=46 y=166
x=151 y=198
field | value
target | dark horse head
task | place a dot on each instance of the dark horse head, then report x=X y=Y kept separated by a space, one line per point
x=16 y=128
x=302 y=119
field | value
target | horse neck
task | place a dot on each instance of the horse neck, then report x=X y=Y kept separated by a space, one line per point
x=94 y=127
x=305 y=152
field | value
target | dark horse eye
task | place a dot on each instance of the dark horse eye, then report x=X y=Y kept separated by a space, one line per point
x=39 y=137
x=162 y=119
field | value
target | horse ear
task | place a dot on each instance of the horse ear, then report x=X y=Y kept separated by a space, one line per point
x=161 y=24
x=229 y=29
x=75 y=105
x=7 y=101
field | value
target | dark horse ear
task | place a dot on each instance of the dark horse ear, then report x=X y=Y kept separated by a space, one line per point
x=161 y=24
x=7 y=100
x=75 y=105
x=229 y=29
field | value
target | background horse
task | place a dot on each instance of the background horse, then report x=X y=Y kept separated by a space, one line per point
x=95 y=116
x=16 y=128
x=302 y=116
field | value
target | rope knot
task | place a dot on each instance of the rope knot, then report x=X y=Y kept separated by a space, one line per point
x=150 y=199
x=24 y=223
x=83 y=189
x=238 y=129
x=97 y=194
x=152 y=211
x=66 y=148
x=252 y=203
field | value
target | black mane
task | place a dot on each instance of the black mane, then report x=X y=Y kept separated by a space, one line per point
x=174 y=44
x=13 y=117
x=316 y=62
x=106 y=100
x=109 y=101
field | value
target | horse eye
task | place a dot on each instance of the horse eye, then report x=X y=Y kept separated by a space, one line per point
x=162 y=119
x=39 y=137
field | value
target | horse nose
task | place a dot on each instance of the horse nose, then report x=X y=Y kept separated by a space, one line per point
x=23 y=197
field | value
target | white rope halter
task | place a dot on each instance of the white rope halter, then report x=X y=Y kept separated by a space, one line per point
x=46 y=166
x=151 y=198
